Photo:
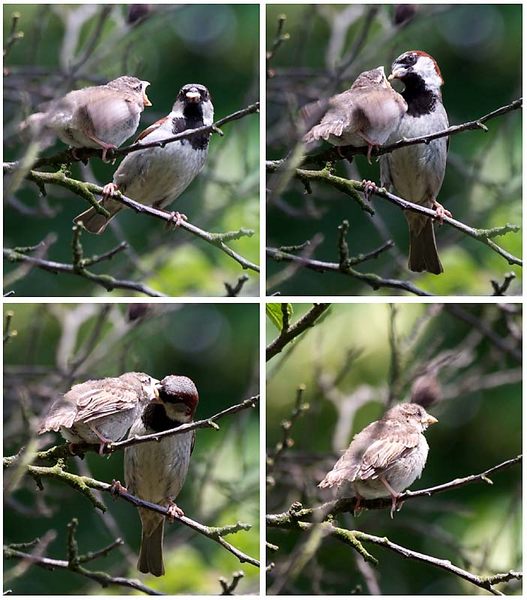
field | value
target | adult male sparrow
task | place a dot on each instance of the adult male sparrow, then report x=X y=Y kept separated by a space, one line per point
x=157 y=176
x=416 y=172
x=384 y=458
x=156 y=471
x=367 y=113
x=102 y=116
x=99 y=411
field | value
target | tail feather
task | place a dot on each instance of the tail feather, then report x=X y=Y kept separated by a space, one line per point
x=151 y=553
x=423 y=250
x=93 y=221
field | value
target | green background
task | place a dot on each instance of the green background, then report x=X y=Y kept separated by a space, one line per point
x=478 y=49
x=215 y=345
x=477 y=527
x=216 y=45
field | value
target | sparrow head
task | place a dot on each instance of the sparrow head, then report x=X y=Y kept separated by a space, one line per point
x=194 y=101
x=179 y=397
x=417 y=69
x=411 y=413
x=126 y=83
x=369 y=79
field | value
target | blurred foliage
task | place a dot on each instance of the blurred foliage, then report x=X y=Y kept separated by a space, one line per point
x=216 y=45
x=478 y=48
x=350 y=371
x=215 y=345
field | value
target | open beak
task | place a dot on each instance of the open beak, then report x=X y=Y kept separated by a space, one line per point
x=146 y=101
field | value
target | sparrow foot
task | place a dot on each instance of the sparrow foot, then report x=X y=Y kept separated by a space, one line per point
x=441 y=211
x=117 y=488
x=176 y=219
x=346 y=152
x=369 y=188
x=109 y=190
x=393 y=494
x=104 y=441
x=357 y=509
x=174 y=511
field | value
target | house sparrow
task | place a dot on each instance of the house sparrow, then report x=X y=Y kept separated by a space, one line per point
x=367 y=113
x=157 y=176
x=416 y=172
x=100 y=411
x=102 y=116
x=156 y=471
x=384 y=458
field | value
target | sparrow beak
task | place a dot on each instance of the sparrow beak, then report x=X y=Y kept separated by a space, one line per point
x=146 y=101
x=193 y=96
x=156 y=399
x=397 y=74
x=430 y=420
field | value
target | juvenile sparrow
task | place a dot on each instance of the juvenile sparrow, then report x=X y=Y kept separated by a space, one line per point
x=416 y=172
x=99 y=411
x=367 y=113
x=102 y=116
x=157 y=176
x=384 y=458
x=156 y=471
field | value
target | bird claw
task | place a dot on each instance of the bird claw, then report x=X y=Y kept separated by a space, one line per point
x=441 y=211
x=174 y=512
x=176 y=218
x=368 y=188
x=109 y=190
x=116 y=489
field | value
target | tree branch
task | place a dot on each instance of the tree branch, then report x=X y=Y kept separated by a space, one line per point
x=289 y=333
x=333 y=154
x=86 y=484
x=345 y=505
x=67 y=157
x=78 y=267
x=85 y=190
x=74 y=561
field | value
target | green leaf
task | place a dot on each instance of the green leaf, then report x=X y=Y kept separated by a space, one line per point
x=274 y=312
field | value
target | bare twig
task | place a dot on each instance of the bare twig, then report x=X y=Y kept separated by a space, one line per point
x=373 y=280
x=67 y=156
x=228 y=588
x=290 y=333
x=74 y=563
x=334 y=154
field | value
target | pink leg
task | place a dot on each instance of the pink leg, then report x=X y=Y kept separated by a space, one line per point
x=176 y=219
x=104 y=441
x=393 y=494
x=441 y=211
x=109 y=190
x=117 y=488
x=174 y=511
x=369 y=188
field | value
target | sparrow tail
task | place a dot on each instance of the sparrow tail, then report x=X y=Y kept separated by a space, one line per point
x=151 y=553
x=423 y=249
x=93 y=221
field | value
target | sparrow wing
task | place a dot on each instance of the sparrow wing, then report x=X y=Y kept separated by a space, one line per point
x=335 y=116
x=100 y=398
x=391 y=444
x=150 y=129
x=102 y=110
x=61 y=414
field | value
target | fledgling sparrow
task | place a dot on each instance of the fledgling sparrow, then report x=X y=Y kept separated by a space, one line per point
x=384 y=458
x=157 y=176
x=367 y=113
x=99 y=411
x=156 y=471
x=416 y=172
x=101 y=116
